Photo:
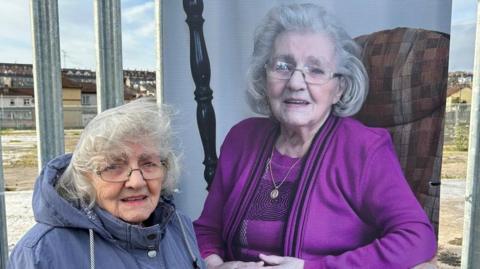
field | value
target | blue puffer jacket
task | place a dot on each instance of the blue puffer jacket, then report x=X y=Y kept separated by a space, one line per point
x=68 y=236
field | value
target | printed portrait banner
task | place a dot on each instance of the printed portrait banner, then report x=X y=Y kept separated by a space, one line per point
x=405 y=47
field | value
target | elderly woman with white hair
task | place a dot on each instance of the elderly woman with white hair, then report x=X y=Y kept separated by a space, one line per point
x=307 y=186
x=108 y=204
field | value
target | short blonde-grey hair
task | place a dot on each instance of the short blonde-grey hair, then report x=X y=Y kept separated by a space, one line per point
x=142 y=122
x=307 y=18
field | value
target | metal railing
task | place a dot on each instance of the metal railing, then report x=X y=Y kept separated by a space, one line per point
x=471 y=231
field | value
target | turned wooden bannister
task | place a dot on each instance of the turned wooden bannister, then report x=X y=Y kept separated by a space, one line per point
x=200 y=67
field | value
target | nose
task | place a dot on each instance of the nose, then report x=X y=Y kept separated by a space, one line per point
x=297 y=81
x=135 y=179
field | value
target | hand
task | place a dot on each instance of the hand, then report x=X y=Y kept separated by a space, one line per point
x=216 y=262
x=280 y=262
x=239 y=265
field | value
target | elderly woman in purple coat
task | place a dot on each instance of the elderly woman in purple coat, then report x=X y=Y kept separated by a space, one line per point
x=307 y=186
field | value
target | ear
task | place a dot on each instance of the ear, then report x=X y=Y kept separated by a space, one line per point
x=339 y=90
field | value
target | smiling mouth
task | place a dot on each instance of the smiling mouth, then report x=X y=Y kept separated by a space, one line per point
x=296 y=102
x=133 y=199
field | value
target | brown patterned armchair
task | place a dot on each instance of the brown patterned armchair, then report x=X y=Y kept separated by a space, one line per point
x=408 y=71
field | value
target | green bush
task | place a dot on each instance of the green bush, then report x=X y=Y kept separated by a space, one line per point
x=461 y=137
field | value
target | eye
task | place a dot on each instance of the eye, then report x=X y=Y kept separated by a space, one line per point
x=281 y=66
x=112 y=170
x=113 y=167
x=149 y=165
x=315 y=70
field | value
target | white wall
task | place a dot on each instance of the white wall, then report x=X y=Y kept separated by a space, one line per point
x=228 y=30
x=5 y=101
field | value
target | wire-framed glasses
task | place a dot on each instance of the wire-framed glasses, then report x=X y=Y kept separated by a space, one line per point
x=312 y=74
x=121 y=172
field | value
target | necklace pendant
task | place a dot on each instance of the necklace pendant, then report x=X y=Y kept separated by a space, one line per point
x=274 y=193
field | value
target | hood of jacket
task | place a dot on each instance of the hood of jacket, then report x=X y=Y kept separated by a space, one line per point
x=51 y=209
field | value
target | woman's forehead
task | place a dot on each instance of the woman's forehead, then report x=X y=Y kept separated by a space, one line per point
x=309 y=47
x=134 y=151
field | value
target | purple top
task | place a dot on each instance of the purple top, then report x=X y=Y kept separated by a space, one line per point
x=352 y=208
x=262 y=229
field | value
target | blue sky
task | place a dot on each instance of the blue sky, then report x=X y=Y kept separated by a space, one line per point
x=462 y=39
x=77 y=36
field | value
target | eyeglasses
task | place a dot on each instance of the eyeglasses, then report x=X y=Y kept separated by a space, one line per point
x=121 y=172
x=312 y=74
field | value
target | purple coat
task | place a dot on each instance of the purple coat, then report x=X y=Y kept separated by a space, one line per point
x=353 y=207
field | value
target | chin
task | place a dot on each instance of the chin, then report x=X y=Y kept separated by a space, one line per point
x=294 y=122
x=137 y=219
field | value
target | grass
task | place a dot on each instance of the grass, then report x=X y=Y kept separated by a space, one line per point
x=449 y=258
x=27 y=160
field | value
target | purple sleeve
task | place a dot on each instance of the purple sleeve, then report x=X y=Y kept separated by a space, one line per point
x=208 y=227
x=386 y=200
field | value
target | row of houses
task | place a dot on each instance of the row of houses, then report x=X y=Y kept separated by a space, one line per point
x=17 y=98
x=460 y=77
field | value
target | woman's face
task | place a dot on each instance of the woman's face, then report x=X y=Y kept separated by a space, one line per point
x=295 y=103
x=135 y=199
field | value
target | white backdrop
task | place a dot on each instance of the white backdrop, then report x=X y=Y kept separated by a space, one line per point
x=228 y=30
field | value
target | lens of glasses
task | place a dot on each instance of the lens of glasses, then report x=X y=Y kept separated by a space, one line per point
x=312 y=74
x=122 y=172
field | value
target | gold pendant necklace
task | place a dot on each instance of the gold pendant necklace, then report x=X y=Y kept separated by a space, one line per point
x=275 y=192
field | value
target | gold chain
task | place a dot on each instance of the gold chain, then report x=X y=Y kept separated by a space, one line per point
x=274 y=193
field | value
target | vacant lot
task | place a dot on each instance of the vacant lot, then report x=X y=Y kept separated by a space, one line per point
x=20 y=157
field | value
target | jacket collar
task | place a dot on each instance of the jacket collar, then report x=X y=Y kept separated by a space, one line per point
x=138 y=236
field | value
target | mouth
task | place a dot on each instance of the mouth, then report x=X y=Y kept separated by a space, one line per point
x=134 y=199
x=293 y=101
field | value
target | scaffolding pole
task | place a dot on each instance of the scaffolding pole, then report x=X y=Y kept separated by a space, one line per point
x=471 y=226
x=47 y=80
x=108 y=33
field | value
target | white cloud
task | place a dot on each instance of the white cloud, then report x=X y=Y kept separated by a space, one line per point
x=138 y=13
x=138 y=40
x=15 y=32
x=77 y=36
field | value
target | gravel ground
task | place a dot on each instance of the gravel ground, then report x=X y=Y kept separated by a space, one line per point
x=19 y=215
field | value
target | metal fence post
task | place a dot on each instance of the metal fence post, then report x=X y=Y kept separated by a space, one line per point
x=108 y=33
x=471 y=226
x=3 y=217
x=159 y=51
x=47 y=79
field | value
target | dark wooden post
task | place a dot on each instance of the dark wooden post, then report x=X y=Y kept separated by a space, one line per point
x=200 y=66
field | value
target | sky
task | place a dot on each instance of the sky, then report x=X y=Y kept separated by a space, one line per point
x=462 y=38
x=77 y=36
